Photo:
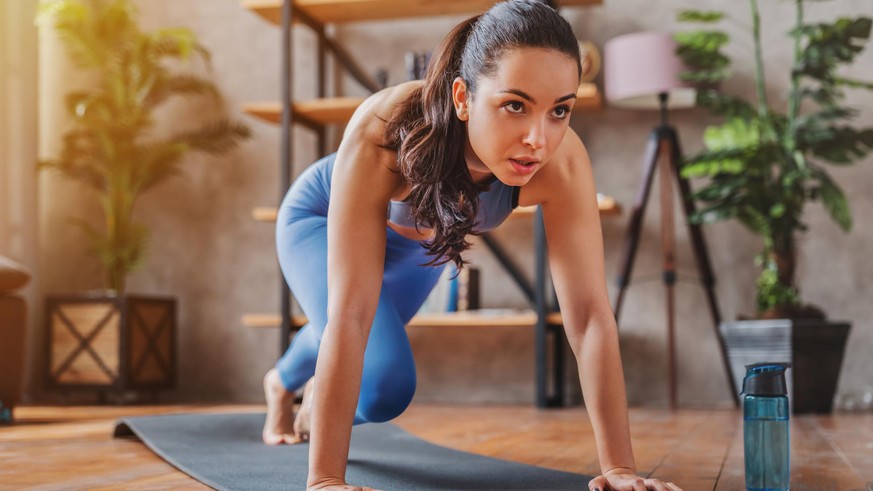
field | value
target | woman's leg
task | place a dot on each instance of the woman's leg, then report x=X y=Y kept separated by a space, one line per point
x=297 y=365
x=388 y=379
x=298 y=234
x=302 y=251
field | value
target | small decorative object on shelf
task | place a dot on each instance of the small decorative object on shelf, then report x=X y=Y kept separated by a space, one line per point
x=411 y=63
x=5 y=414
x=468 y=289
x=590 y=61
x=423 y=62
x=416 y=64
x=382 y=77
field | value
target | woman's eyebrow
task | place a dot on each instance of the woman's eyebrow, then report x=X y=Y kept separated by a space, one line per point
x=531 y=99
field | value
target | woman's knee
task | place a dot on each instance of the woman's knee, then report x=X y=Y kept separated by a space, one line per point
x=387 y=398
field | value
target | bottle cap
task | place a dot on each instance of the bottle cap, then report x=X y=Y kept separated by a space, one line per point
x=765 y=379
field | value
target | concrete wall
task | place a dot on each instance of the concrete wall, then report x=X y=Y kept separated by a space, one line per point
x=208 y=252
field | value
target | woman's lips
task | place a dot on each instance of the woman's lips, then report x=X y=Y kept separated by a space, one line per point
x=523 y=167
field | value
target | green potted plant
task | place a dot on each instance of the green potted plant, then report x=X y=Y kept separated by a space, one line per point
x=761 y=166
x=110 y=339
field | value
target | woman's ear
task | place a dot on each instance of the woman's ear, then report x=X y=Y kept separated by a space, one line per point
x=460 y=99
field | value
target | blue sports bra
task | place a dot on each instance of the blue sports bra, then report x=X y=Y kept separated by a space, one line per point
x=495 y=204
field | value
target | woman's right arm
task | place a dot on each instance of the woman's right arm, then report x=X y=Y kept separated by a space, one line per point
x=361 y=187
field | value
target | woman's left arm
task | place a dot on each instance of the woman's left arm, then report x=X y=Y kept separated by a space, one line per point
x=573 y=233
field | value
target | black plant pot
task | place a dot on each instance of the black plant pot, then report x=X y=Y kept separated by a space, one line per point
x=814 y=348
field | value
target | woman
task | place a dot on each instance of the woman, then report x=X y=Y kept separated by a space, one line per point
x=488 y=129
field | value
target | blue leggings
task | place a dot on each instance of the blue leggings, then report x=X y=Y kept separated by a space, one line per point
x=388 y=380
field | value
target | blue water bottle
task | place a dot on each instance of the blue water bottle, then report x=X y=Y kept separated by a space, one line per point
x=765 y=427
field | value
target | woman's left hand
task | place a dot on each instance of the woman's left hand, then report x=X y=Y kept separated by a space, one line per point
x=619 y=480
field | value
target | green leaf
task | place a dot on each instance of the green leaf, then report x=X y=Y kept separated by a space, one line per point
x=735 y=133
x=702 y=58
x=857 y=84
x=777 y=210
x=699 y=16
x=725 y=105
x=829 y=114
x=724 y=188
x=834 y=201
x=702 y=168
x=699 y=52
x=825 y=94
x=716 y=213
x=178 y=42
x=860 y=28
x=830 y=45
x=702 y=40
x=706 y=77
x=217 y=137
x=180 y=85
x=754 y=220
x=160 y=162
x=841 y=145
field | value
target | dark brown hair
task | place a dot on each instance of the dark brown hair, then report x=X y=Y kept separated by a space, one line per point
x=428 y=137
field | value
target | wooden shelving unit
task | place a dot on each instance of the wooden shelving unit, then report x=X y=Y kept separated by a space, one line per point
x=323 y=111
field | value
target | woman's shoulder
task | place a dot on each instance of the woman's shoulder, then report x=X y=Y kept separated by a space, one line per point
x=362 y=151
x=371 y=117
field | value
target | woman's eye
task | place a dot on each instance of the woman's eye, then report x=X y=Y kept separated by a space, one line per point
x=515 y=106
x=562 y=112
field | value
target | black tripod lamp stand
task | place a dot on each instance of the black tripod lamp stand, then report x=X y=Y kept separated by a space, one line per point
x=641 y=72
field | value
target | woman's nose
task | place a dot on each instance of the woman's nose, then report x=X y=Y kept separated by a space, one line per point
x=535 y=136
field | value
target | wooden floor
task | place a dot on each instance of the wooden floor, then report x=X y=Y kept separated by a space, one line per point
x=54 y=448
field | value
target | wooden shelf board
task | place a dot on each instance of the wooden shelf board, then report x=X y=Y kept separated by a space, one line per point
x=608 y=207
x=473 y=318
x=338 y=110
x=333 y=110
x=265 y=214
x=261 y=320
x=327 y=11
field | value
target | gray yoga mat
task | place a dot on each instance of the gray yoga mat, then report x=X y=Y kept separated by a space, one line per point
x=225 y=452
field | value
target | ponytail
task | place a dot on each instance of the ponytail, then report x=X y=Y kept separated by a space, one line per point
x=429 y=140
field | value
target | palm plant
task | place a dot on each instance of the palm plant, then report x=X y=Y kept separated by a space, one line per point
x=109 y=147
x=761 y=165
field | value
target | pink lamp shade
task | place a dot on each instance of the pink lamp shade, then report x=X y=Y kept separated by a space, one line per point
x=639 y=66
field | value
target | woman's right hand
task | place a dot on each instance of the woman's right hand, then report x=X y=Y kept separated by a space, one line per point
x=337 y=485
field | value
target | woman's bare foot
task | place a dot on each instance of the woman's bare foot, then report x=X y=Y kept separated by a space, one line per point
x=279 y=427
x=302 y=422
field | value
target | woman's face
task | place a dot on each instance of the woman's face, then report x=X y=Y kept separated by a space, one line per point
x=517 y=117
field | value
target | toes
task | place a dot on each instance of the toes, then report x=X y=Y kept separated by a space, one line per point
x=301 y=435
x=291 y=439
x=301 y=426
x=272 y=439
